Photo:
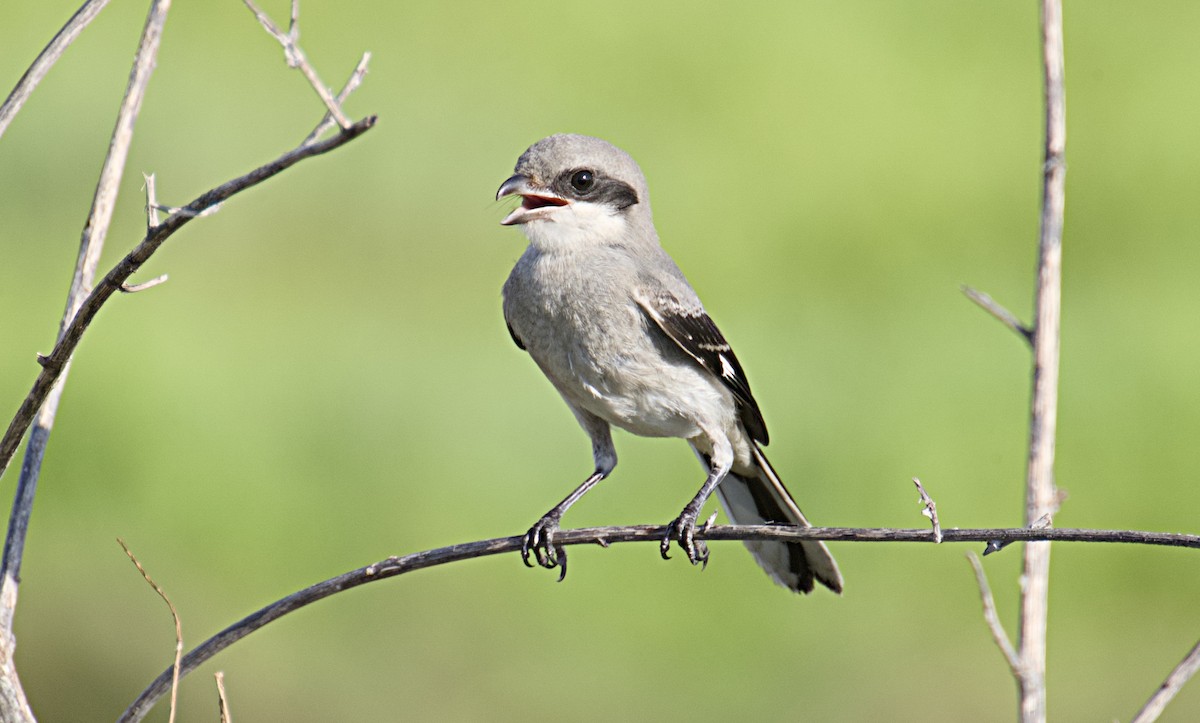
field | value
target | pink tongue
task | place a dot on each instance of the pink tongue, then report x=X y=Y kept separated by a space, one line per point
x=532 y=202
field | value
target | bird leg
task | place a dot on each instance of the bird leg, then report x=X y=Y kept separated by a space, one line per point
x=540 y=538
x=683 y=528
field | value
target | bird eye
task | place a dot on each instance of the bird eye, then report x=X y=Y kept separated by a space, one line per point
x=582 y=181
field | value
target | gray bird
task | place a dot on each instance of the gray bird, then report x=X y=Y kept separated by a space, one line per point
x=616 y=328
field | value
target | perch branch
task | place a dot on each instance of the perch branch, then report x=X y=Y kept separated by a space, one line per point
x=605 y=536
x=1040 y=496
x=46 y=60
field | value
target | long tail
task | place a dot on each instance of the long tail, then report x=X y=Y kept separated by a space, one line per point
x=759 y=498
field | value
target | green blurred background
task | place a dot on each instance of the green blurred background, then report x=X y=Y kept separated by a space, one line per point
x=326 y=379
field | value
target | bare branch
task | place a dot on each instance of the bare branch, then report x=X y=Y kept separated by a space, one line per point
x=296 y=58
x=1040 y=495
x=1170 y=687
x=1005 y=316
x=46 y=60
x=91 y=243
x=174 y=616
x=993 y=620
x=930 y=510
x=605 y=536
x=355 y=80
x=54 y=362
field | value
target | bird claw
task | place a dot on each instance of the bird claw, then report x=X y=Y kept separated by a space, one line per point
x=683 y=531
x=540 y=542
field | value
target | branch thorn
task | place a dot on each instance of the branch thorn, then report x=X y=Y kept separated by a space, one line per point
x=134 y=288
x=1004 y=316
x=930 y=511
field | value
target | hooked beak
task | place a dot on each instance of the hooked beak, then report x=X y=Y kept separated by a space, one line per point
x=536 y=203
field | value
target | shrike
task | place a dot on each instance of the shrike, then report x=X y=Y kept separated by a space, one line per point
x=612 y=322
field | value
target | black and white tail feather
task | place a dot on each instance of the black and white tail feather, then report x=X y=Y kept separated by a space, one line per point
x=761 y=498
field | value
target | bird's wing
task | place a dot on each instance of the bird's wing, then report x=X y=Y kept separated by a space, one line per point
x=693 y=331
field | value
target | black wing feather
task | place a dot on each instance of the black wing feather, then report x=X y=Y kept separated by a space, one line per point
x=516 y=339
x=696 y=334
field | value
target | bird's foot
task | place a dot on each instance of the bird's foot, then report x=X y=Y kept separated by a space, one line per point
x=540 y=542
x=683 y=531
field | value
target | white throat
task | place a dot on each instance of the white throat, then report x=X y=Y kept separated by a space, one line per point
x=577 y=225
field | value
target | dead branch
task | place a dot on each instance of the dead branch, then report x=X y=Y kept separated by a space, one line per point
x=1040 y=496
x=605 y=536
x=92 y=242
x=352 y=83
x=86 y=298
x=54 y=362
x=989 y=616
x=46 y=60
x=296 y=59
x=1170 y=687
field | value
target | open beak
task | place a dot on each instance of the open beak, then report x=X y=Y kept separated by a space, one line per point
x=536 y=203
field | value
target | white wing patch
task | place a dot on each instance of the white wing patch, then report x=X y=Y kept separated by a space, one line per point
x=727 y=368
x=697 y=336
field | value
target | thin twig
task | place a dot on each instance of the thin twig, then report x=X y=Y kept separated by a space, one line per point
x=1170 y=687
x=992 y=619
x=1002 y=314
x=46 y=60
x=1040 y=496
x=134 y=288
x=151 y=201
x=222 y=700
x=296 y=58
x=352 y=83
x=605 y=536
x=930 y=510
x=174 y=616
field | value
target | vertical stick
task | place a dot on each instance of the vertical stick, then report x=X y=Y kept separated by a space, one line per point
x=13 y=705
x=1040 y=495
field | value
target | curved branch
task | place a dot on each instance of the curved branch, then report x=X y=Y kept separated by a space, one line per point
x=1170 y=687
x=41 y=417
x=46 y=60
x=605 y=536
x=54 y=362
